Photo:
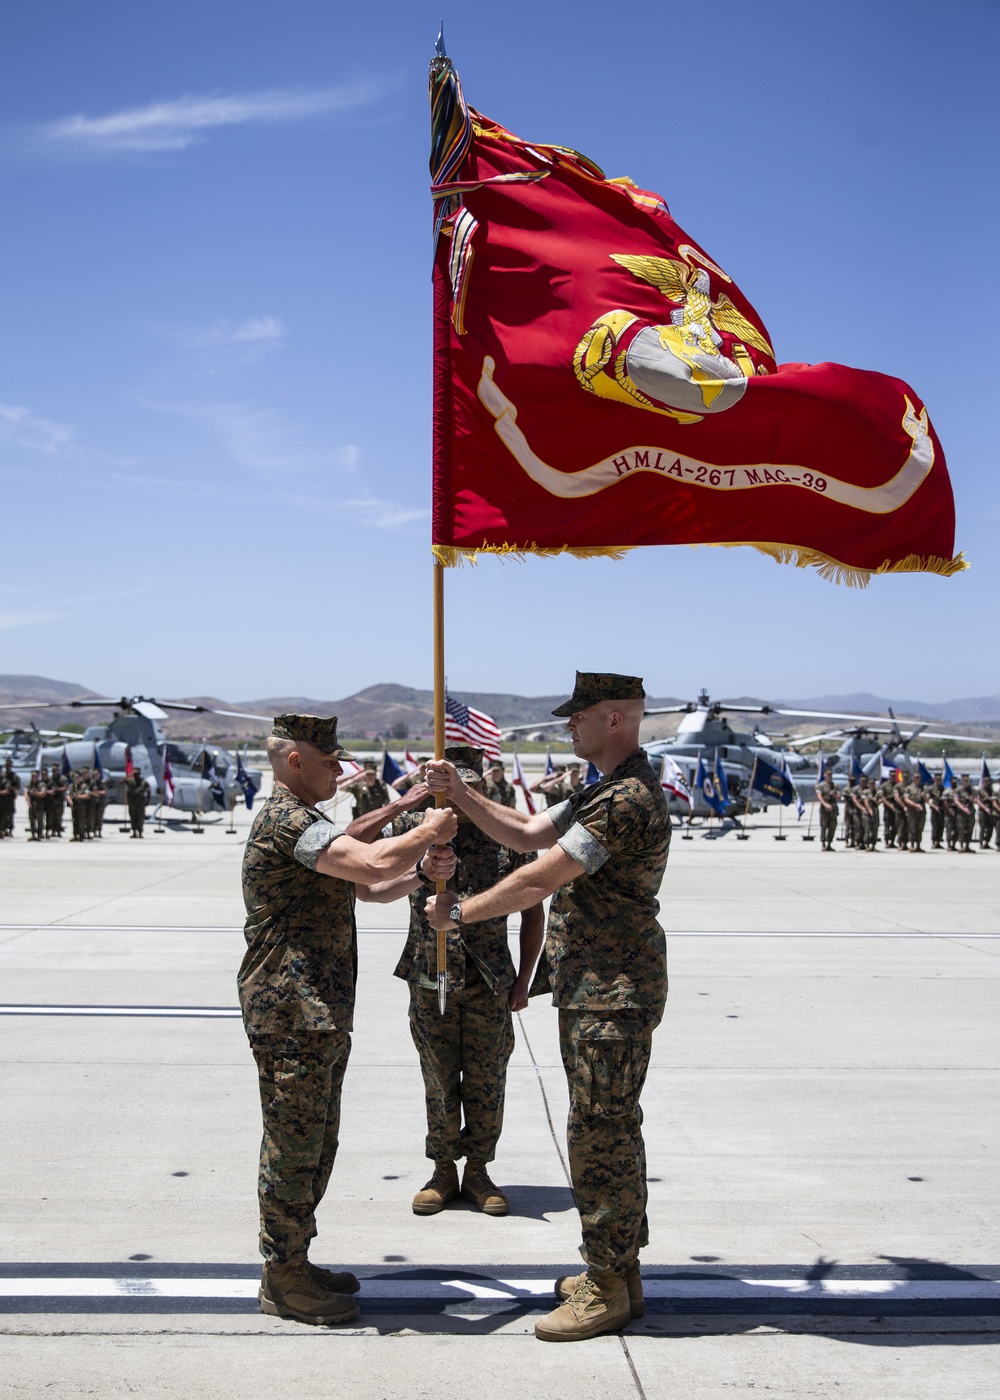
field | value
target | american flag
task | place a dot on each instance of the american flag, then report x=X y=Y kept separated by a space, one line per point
x=464 y=725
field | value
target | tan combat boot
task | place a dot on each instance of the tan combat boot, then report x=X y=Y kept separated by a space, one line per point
x=567 y=1286
x=600 y=1304
x=332 y=1281
x=289 y=1290
x=442 y=1188
x=480 y=1190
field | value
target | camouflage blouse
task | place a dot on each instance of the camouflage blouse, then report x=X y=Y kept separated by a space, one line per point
x=300 y=968
x=481 y=863
x=604 y=949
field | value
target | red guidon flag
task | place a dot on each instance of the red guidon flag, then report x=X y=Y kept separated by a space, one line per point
x=600 y=382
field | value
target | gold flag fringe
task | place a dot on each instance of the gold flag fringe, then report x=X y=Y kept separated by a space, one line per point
x=454 y=556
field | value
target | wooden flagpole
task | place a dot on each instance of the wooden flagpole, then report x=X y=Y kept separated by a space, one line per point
x=441 y=885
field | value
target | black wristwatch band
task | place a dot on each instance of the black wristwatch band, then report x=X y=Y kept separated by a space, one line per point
x=424 y=879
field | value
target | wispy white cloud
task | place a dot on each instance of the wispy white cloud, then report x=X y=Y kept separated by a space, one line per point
x=254 y=330
x=21 y=427
x=183 y=121
x=57 y=609
x=261 y=439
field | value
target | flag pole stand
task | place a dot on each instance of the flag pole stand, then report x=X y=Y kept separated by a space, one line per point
x=781 y=812
x=158 y=828
x=231 y=828
x=808 y=836
x=440 y=885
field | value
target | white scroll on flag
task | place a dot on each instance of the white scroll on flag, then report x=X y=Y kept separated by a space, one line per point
x=672 y=780
x=519 y=781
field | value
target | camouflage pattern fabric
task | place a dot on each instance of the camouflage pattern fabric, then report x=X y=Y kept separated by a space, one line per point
x=935 y=804
x=368 y=799
x=95 y=807
x=984 y=809
x=481 y=863
x=37 y=793
x=502 y=792
x=320 y=732
x=965 y=815
x=593 y=686
x=463 y=1059
x=464 y=1053
x=915 y=816
x=7 y=801
x=606 y=1059
x=828 y=819
x=300 y=967
x=604 y=950
x=137 y=794
x=300 y=1080
x=891 y=814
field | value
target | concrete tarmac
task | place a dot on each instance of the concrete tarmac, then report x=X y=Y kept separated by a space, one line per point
x=820 y=1119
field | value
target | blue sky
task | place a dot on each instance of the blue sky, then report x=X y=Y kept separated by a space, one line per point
x=215 y=332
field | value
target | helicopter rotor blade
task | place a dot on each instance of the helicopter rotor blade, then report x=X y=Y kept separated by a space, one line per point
x=203 y=709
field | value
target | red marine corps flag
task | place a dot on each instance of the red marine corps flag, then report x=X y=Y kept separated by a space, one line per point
x=601 y=382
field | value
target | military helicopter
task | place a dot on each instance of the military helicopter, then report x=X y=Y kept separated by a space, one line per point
x=203 y=777
x=705 y=732
x=861 y=749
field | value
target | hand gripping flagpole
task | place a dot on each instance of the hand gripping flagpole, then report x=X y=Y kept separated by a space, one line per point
x=439 y=799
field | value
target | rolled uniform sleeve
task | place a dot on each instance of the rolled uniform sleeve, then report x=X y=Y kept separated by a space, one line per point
x=595 y=829
x=313 y=842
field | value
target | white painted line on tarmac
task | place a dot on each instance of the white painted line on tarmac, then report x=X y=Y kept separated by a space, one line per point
x=670 y=933
x=32 y=1009
x=428 y=1290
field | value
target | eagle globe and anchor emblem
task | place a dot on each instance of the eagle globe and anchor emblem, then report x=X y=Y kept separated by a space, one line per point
x=677 y=369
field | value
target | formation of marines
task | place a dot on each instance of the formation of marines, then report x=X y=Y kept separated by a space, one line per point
x=959 y=815
x=49 y=791
x=602 y=855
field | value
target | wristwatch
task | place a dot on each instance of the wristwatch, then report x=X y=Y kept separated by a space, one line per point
x=424 y=879
x=455 y=913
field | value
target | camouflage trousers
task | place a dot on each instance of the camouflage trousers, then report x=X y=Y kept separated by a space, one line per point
x=915 y=826
x=463 y=1059
x=937 y=826
x=606 y=1059
x=300 y=1078
x=827 y=826
x=137 y=817
x=986 y=820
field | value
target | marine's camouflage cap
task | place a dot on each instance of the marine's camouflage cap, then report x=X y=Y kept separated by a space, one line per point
x=468 y=762
x=497 y=763
x=592 y=686
x=310 y=729
x=369 y=765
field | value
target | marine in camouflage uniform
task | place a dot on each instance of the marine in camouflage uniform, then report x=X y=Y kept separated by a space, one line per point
x=37 y=793
x=936 y=806
x=77 y=797
x=605 y=963
x=984 y=808
x=296 y=988
x=464 y=1052
x=965 y=813
x=915 y=802
x=96 y=805
x=498 y=789
x=950 y=822
x=559 y=786
x=137 y=795
x=12 y=786
x=57 y=802
x=368 y=791
x=890 y=812
x=827 y=795
x=867 y=815
x=852 y=816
